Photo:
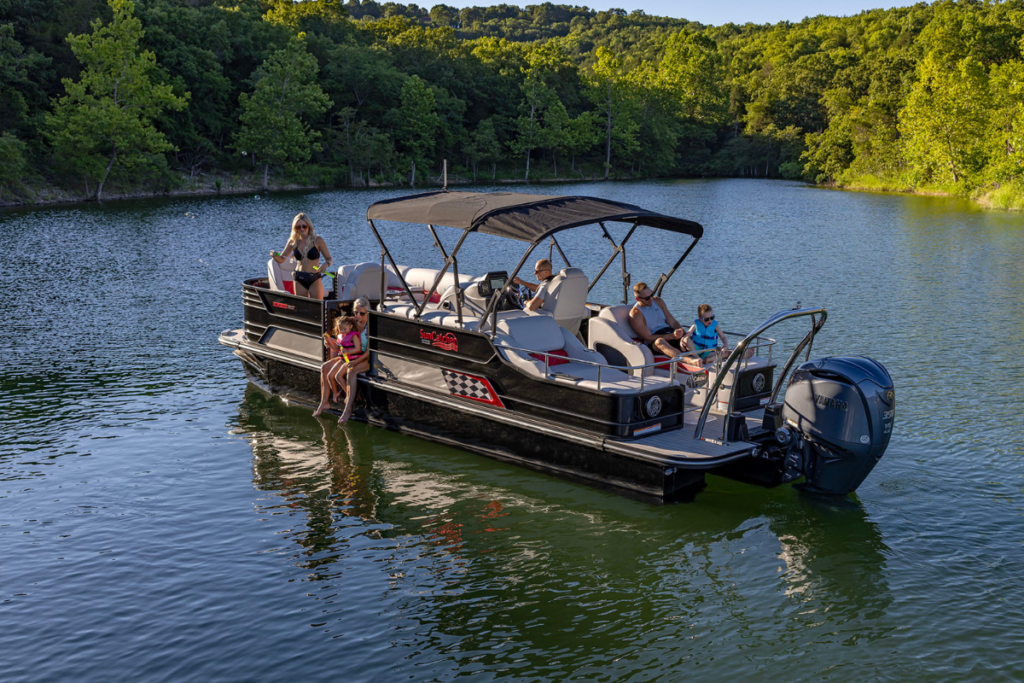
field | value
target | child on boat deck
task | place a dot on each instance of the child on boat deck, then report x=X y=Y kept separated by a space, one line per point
x=704 y=336
x=344 y=346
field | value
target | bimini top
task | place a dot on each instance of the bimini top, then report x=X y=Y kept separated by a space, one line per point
x=524 y=217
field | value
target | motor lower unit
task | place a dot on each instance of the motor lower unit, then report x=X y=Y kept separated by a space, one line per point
x=836 y=421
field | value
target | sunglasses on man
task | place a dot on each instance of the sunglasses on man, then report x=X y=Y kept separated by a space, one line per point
x=645 y=298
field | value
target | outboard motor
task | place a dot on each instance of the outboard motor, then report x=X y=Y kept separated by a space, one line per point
x=842 y=410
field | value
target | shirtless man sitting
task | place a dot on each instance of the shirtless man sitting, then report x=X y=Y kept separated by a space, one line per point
x=540 y=290
x=651 y=320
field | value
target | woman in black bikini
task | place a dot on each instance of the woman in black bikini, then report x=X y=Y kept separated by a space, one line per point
x=306 y=247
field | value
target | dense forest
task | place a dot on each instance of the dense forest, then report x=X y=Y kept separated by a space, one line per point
x=165 y=94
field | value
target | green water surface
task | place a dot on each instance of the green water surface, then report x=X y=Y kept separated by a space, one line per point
x=162 y=520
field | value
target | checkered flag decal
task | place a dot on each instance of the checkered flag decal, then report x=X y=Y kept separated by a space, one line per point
x=472 y=387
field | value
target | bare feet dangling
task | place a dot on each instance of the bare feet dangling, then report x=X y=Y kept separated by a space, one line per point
x=319 y=409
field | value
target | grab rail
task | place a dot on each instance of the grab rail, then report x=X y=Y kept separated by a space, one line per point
x=657 y=364
x=741 y=349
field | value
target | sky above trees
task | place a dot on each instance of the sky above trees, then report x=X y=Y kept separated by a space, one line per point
x=724 y=11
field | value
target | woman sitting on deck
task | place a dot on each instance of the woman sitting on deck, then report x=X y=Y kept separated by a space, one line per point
x=351 y=371
x=306 y=247
x=344 y=345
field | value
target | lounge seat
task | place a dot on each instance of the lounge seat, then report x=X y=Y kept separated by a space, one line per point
x=611 y=335
x=540 y=334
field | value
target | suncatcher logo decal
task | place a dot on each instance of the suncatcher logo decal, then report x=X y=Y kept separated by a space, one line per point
x=442 y=340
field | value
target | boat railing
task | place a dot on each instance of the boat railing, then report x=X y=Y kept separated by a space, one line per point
x=757 y=344
x=818 y=317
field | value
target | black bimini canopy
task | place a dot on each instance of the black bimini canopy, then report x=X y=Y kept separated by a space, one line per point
x=523 y=217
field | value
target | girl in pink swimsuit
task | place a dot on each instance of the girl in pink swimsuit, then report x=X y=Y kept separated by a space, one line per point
x=344 y=346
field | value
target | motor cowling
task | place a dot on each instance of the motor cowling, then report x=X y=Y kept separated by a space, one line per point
x=843 y=408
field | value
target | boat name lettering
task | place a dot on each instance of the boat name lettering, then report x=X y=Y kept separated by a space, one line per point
x=442 y=340
x=278 y=304
x=829 y=402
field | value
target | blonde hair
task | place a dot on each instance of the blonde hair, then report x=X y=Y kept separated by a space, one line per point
x=639 y=287
x=303 y=218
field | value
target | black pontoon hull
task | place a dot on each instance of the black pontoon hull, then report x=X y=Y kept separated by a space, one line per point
x=564 y=453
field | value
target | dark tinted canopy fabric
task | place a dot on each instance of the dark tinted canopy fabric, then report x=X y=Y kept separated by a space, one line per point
x=524 y=217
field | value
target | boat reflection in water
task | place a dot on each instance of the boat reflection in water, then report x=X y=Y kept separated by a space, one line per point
x=439 y=545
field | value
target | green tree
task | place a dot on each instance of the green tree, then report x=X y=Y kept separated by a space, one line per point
x=417 y=124
x=945 y=121
x=1005 y=141
x=284 y=94
x=537 y=97
x=106 y=116
x=583 y=135
x=12 y=162
x=484 y=147
x=609 y=90
x=693 y=71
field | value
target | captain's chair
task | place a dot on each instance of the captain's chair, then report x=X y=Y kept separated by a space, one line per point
x=567 y=298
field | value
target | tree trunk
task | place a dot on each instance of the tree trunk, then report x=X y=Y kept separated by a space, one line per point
x=527 y=165
x=110 y=165
x=554 y=161
x=412 y=179
x=266 y=170
x=608 y=143
x=494 y=171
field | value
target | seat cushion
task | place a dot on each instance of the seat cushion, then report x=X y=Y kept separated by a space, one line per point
x=533 y=332
x=556 y=357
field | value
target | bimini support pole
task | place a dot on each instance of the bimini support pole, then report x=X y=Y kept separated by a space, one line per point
x=556 y=245
x=492 y=307
x=663 y=280
x=455 y=270
x=440 y=275
x=385 y=252
x=616 y=250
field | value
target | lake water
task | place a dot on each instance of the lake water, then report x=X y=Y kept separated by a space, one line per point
x=161 y=520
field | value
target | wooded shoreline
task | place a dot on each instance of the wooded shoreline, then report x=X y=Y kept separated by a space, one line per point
x=134 y=95
x=58 y=197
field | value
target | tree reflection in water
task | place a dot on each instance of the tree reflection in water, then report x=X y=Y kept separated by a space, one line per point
x=487 y=566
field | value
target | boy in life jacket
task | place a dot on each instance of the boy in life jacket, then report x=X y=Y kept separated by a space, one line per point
x=705 y=335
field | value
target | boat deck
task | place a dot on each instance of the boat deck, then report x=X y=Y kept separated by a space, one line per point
x=679 y=448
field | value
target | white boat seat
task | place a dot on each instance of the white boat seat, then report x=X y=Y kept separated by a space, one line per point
x=423 y=278
x=541 y=334
x=279 y=275
x=567 y=298
x=610 y=334
x=363 y=279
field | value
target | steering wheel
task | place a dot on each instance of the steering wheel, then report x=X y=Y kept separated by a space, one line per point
x=515 y=298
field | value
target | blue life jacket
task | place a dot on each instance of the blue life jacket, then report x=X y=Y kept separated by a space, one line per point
x=705 y=338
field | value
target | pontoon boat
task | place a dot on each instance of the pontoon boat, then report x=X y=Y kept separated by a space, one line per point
x=570 y=390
